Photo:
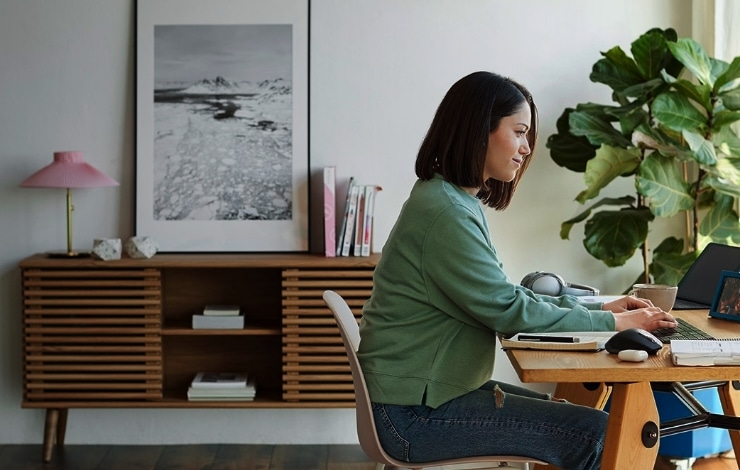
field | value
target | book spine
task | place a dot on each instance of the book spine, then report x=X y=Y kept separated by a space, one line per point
x=359 y=221
x=330 y=247
x=349 y=231
x=342 y=229
x=369 y=220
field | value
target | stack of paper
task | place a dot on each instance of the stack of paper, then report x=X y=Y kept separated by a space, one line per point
x=216 y=317
x=705 y=352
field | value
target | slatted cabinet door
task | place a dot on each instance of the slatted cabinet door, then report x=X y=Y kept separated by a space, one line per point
x=91 y=336
x=315 y=365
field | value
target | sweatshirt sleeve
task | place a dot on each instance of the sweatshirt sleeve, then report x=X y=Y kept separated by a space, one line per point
x=463 y=273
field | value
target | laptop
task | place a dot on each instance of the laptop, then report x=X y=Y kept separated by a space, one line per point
x=697 y=287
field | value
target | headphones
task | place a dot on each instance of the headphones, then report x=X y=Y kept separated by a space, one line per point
x=551 y=284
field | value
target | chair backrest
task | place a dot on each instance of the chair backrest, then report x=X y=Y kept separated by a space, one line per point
x=350 y=333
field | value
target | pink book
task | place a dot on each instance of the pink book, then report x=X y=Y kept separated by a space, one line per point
x=330 y=247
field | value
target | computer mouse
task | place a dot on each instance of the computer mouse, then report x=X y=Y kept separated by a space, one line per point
x=633 y=338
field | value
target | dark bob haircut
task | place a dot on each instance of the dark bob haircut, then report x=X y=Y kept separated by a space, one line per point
x=455 y=145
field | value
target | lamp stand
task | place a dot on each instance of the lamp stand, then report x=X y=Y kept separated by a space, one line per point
x=70 y=253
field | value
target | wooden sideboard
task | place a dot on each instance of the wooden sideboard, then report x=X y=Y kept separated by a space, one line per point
x=117 y=334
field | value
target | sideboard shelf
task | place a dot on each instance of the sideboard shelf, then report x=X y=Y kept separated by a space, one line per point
x=116 y=334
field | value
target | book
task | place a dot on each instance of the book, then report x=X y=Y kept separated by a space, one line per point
x=560 y=341
x=367 y=236
x=342 y=229
x=219 y=380
x=359 y=221
x=330 y=249
x=236 y=398
x=221 y=310
x=349 y=230
x=246 y=392
x=705 y=352
x=218 y=322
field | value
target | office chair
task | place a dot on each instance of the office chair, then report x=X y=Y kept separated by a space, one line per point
x=368 y=437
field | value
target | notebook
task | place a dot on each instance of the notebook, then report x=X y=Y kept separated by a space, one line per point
x=697 y=287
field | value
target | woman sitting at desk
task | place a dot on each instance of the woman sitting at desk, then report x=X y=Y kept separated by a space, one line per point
x=440 y=295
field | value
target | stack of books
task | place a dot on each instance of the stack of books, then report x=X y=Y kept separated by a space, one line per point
x=355 y=235
x=222 y=386
x=216 y=317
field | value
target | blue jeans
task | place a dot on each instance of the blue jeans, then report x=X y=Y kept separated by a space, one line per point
x=496 y=419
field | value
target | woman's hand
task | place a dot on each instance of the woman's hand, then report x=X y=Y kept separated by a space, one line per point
x=626 y=303
x=648 y=318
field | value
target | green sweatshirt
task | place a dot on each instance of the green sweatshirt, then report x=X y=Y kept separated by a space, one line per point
x=440 y=295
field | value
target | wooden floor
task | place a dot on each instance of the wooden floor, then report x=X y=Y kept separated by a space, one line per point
x=217 y=457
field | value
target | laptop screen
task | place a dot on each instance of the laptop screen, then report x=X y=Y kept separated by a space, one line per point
x=700 y=281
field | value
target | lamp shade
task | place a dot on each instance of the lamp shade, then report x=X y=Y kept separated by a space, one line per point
x=68 y=170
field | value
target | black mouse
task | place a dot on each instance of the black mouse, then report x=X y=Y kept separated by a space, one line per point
x=633 y=338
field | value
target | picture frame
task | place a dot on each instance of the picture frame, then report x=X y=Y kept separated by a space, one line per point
x=222 y=96
x=726 y=302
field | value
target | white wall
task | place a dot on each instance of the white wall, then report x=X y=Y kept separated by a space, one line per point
x=378 y=71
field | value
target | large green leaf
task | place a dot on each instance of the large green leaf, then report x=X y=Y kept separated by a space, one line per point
x=721 y=223
x=616 y=70
x=608 y=164
x=703 y=149
x=731 y=99
x=654 y=138
x=659 y=181
x=702 y=94
x=727 y=141
x=597 y=130
x=725 y=118
x=724 y=177
x=669 y=263
x=568 y=150
x=645 y=89
x=666 y=265
x=613 y=236
x=565 y=227
x=675 y=111
x=650 y=51
x=732 y=73
x=692 y=56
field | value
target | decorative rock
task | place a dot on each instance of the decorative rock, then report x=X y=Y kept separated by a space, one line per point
x=106 y=249
x=141 y=247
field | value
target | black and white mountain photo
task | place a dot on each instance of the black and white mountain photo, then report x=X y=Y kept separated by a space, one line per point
x=223 y=123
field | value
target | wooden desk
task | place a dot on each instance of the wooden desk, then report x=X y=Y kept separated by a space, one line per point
x=589 y=379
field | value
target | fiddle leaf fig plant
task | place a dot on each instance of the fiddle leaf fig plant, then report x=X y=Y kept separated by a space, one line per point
x=673 y=129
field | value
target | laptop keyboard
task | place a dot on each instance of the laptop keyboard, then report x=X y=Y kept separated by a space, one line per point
x=684 y=330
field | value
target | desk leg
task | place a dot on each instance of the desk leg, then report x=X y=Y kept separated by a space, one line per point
x=730 y=399
x=632 y=408
x=581 y=394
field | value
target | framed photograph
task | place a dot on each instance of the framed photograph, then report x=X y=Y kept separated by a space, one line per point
x=222 y=160
x=726 y=303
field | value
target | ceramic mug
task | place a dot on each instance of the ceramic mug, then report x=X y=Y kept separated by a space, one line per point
x=661 y=295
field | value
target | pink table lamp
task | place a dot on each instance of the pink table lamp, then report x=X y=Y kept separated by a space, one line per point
x=68 y=170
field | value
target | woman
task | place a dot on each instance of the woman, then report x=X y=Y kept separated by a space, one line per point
x=440 y=296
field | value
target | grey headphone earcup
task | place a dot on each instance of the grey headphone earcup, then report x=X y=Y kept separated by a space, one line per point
x=548 y=284
x=527 y=280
